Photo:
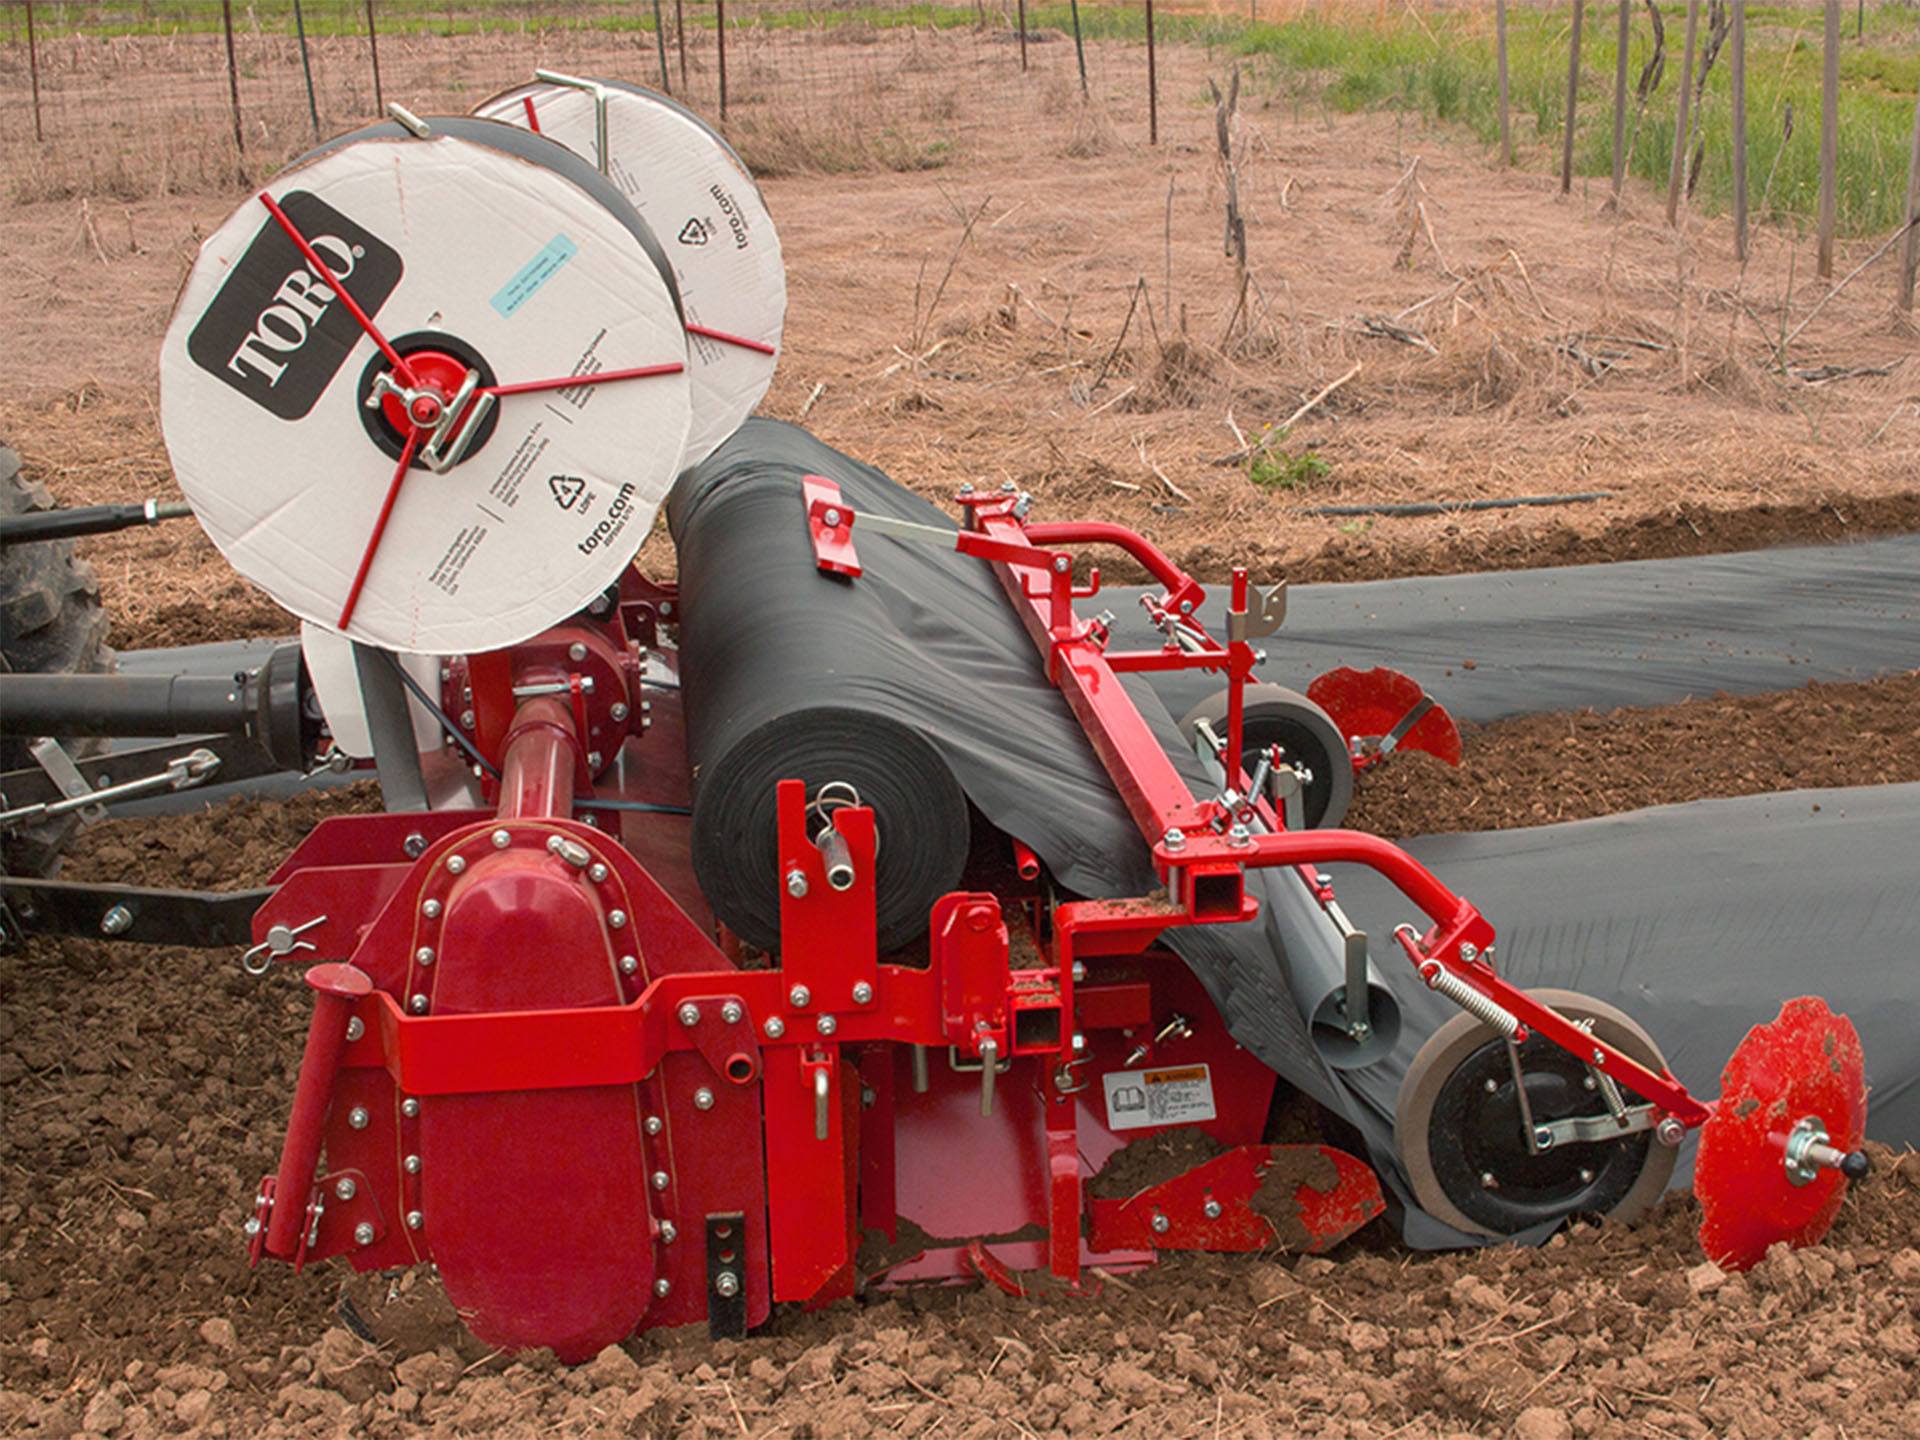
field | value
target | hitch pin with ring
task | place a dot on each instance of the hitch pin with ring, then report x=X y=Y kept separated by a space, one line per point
x=281 y=941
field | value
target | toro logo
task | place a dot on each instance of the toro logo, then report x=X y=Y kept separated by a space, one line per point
x=274 y=332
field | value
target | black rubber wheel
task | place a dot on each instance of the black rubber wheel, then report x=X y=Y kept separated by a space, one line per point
x=1457 y=1126
x=51 y=622
x=1275 y=715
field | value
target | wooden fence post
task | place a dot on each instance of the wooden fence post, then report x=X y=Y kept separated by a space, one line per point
x=1738 y=80
x=1910 y=247
x=1677 y=176
x=1023 y=37
x=1153 y=84
x=306 y=68
x=1620 y=99
x=1573 y=98
x=233 y=75
x=720 y=28
x=373 y=47
x=1500 y=50
x=1829 y=135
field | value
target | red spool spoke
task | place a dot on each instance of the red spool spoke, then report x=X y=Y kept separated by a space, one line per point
x=379 y=528
x=725 y=339
x=312 y=257
x=567 y=382
x=533 y=120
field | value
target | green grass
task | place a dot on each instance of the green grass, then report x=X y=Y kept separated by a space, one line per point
x=1442 y=66
x=1277 y=469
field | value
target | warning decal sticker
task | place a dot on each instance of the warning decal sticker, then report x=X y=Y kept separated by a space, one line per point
x=1177 y=1095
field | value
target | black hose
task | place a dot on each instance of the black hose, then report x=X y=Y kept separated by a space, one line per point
x=87 y=520
x=1448 y=507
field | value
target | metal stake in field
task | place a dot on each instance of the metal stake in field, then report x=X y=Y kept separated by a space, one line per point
x=1829 y=135
x=1153 y=84
x=1573 y=98
x=680 y=37
x=373 y=48
x=1620 y=99
x=233 y=75
x=1079 y=49
x=1500 y=54
x=1910 y=248
x=33 y=69
x=1023 y=37
x=1739 y=83
x=306 y=67
x=660 y=38
x=720 y=29
x=1677 y=175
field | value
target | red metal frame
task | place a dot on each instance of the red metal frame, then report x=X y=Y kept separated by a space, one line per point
x=523 y=970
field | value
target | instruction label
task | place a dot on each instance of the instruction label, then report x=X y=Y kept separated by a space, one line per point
x=1177 y=1095
x=532 y=275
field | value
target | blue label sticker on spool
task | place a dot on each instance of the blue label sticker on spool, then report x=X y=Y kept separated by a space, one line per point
x=532 y=275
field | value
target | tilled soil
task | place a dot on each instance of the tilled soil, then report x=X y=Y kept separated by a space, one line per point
x=144 y=1091
x=1539 y=769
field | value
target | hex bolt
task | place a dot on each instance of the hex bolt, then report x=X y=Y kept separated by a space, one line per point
x=1487 y=1181
x=726 y=1284
x=830 y=517
x=689 y=1014
x=1186 y=607
x=703 y=1099
x=415 y=1219
x=1079 y=971
x=618 y=710
x=616 y=919
x=1161 y=1224
x=501 y=839
x=356 y=1027
x=1079 y=1044
x=1491 y=1085
x=799 y=997
x=796 y=885
x=466 y=719
x=424 y=955
x=1174 y=840
x=357 y=1117
x=344 y=1187
x=731 y=1012
x=660 y=1180
x=1061 y=564
x=662 y=1286
x=456 y=863
x=1239 y=835
x=1599 y=1056
x=655 y=1124
x=1469 y=952
x=413 y=1164
x=598 y=874
x=1542 y=1138
x=418 y=1004
x=117 y=921
x=593 y=759
x=669 y=1232
x=410 y=1108
x=775 y=1027
x=1211 y=1209
x=862 y=993
x=826 y=1025
x=252 y=1227
x=629 y=964
x=576 y=652
x=363 y=1233
x=415 y=845
x=1670 y=1132
x=1586 y=1176
x=431 y=909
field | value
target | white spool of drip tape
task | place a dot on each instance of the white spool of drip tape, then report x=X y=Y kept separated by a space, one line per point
x=711 y=221
x=481 y=253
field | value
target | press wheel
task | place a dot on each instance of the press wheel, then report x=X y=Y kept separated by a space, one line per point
x=1457 y=1124
x=1275 y=715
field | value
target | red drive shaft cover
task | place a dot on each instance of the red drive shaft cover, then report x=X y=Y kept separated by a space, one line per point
x=1805 y=1065
x=535 y=1203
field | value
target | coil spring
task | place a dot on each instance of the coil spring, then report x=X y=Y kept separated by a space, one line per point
x=1483 y=1008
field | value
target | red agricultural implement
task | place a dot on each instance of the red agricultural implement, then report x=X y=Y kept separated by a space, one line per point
x=539 y=1061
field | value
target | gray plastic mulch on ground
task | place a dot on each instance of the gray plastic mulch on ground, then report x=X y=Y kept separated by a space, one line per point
x=1641 y=632
x=1698 y=920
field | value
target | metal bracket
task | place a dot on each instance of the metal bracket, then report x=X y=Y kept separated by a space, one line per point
x=727 y=1276
x=599 y=94
x=1256 y=624
x=182 y=773
x=1590 y=1129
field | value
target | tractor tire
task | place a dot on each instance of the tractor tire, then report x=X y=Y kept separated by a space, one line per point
x=51 y=622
